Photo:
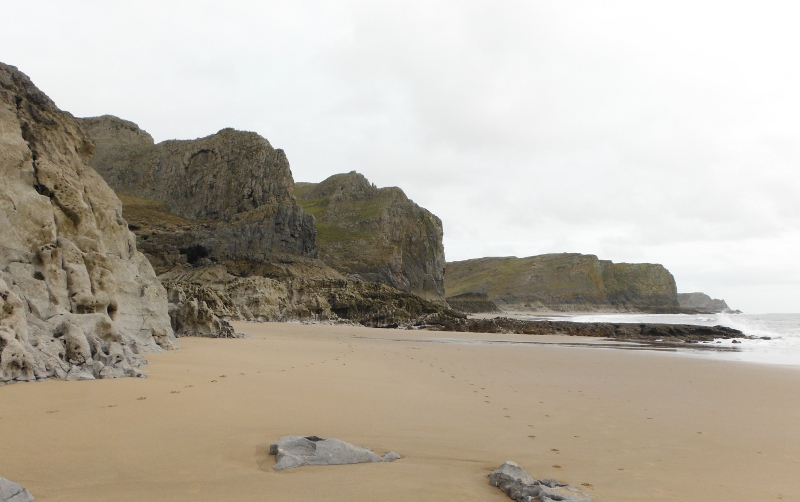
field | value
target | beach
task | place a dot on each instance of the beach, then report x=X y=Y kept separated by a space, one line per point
x=621 y=425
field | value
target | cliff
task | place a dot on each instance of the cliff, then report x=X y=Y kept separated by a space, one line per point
x=703 y=304
x=77 y=300
x=376 y=234
x=227 y=197
x=565 y=282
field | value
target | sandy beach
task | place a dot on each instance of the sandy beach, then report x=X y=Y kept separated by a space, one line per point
x=621 y=425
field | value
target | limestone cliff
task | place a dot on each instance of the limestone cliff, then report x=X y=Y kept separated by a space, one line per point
x=565 y=282
x=77 y=300
x=226 y=197
x=376 y=234
x=703 y=304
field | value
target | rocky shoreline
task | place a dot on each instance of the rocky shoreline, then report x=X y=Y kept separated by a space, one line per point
x=638 y=332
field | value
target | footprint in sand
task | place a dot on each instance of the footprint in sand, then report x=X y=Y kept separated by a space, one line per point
x=556 y=467
x=554 y=450
x=141 y=398
x=532 y=437
x=53 y=411
x=111 y=406
x=587 y=485
x=187 y=386
x=213 y=381
x=175 y=392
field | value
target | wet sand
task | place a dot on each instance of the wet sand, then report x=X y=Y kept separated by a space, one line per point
x=621 y=425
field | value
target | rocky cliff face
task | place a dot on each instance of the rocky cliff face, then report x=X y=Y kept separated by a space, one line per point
x=702 y=303
x=77 y=300
x=565 y=282
x=225 y=197
x=376 y=234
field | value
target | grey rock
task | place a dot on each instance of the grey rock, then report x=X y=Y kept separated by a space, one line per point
x=74 y=290
x=13 y=492
x=514 y=471
x=297 y=451
x=518 y=485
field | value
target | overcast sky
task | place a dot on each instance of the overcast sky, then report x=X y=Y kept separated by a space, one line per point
x=642 y=131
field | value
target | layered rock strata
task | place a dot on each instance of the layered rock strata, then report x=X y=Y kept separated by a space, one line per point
x=228 y=197
x=376 y=234
x=649 y=333
x=302 y=297
x=472 y=303
x=77 y=300
x=701 y=303
x=518 y=485
x=566 y=282
x=297 y=451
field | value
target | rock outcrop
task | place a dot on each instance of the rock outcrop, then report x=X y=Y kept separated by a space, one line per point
x=13 y=492
x=303 y=296
x=518 y=485
x=77 y=300
x=376 y=234
x=191 y=316
x=297 y=451
x=228 y=197
x=472 y=303
x=701 y=303
x=634 y=332
x=565 y=282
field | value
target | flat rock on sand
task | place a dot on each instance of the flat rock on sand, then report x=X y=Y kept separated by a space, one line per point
x=297 y=451
x=13 y=492
x=517 y=484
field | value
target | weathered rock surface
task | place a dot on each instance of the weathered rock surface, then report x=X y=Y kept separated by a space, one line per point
x=472 y=303
x=310 y=296
x=703 y=304
x=518 y=485
x=77 y=300
x=297 y=451
x=565 y=282
x=649 y=333
x=13 y=492
x=227 y=197
x=376 y=234
x=191 y=316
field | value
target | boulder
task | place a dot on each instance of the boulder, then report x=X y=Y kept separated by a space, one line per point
x=76 y=297
x=13 y=492
x=297 y=451
x=518 y=485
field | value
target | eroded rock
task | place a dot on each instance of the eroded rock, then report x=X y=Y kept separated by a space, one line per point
x=518 y=485
x=77 y=300
x=193 y=317
x=13 y=492
x=297 y=451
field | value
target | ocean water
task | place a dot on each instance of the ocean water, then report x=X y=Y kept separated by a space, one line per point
x=784 y=330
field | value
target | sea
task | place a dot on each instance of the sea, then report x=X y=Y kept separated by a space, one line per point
x=783 y=347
